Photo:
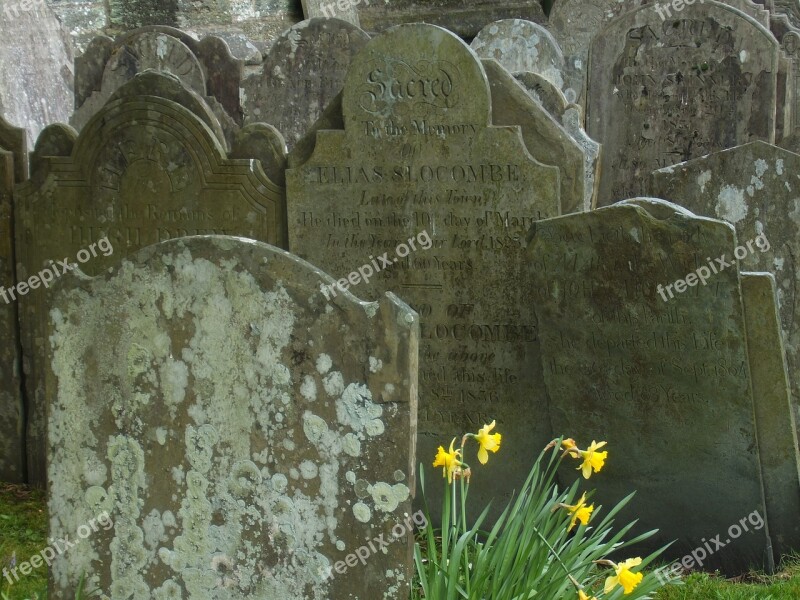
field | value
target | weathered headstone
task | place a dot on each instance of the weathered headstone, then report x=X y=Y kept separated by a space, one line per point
x=36 y=63
x=665 y=91
x=15 y=140
x=12 y=410
x=144 y=170
x=571 y=117
x=575 y=23
x=545 y=138
x=463 y=17
x=523 y=47
x=346 y=10
x=756 y=188
x=206 y=68
x=303 y=72
x=419 y=189
x=244 y=435
x=665 y=383
x=775 y=420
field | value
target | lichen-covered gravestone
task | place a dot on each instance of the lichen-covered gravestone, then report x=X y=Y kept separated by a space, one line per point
x=144 y=169
x=12 y=410
x=419 y=188
x=775 y=420
x=245 y=435
x=303 y=72
x=664 y=91
x=665 y=383
x=523 y=47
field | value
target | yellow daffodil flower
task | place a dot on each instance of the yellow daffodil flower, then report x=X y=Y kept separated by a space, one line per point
x=580 y=512
x=592 y=459
x=582 y=596
x=488 y=442
x=624 y=576
x=450 y=461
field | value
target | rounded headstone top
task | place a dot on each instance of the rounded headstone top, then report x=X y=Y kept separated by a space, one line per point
x=522 y=46
x=414 y=71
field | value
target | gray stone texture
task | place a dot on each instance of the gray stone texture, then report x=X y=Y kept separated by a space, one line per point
x=666 y=384
x=243 y=434
x=661 y=92
x=303 y=71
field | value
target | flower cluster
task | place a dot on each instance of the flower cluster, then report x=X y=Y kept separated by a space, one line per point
x=592 y=460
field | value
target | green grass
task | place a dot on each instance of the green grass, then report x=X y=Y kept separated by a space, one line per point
x=23 y=530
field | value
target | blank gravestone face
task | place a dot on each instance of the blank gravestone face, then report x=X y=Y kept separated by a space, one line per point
x=242 y=433
x=665 y=91
x=756 y=188
x=304 y=70
x=523 y=47
x=436 y=202
x=666 y=384
x=144 y=170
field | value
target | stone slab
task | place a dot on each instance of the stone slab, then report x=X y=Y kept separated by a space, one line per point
x=666 y=384
x=304 y=70
x=429 y=170
x=648 y=114
x=775 y=420
x=12 y=409
x=242 y=434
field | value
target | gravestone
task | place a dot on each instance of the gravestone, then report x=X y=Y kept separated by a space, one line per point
x=144 y=169
x=463 y=17
x=244 y=435
x=545 y=138
x=523 y=47
x=206 y=68
x=665 y=383
x=754 y=187
x=570 y=115
x=346 y=10
x=420 y=189
x=12 y=409
x=662 y=92
x=575 y=23
x=36 y=63
x=15 y=140
x=303 y=72
x=775 y=420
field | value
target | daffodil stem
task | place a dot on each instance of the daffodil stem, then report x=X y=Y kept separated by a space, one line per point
x=555 y=554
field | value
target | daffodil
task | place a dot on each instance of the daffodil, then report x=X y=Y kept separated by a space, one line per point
x=624 y=576
x=592 y=459
x=582 y=596
x=488 y=442
x=450 y=461
x=580 y=512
